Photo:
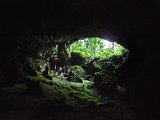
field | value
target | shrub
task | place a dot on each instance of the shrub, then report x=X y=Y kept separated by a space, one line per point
x=76 y=59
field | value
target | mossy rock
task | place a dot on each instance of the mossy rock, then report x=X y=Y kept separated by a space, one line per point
x=77 y=58
x=74 y=79
x=78 y=71
x=98 y=78
x=37 y=64
x=89 y=78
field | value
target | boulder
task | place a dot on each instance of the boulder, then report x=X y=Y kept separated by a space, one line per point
x=28 y=70
x=33 y=86
x=74 y=79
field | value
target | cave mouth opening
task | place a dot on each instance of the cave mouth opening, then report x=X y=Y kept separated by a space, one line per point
x=101 y=60
x=80 y=72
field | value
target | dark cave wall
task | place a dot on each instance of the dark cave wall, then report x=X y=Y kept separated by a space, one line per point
x=132 y=23
x=141 y=74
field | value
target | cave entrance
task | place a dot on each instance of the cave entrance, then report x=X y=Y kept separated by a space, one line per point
x=95 y=47
x=101 y=60
x=80 y=71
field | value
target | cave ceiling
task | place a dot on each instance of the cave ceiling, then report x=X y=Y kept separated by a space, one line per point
x=79 y=18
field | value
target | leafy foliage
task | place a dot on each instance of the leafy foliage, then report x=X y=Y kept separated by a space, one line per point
x=102 y=64
x=95 y=48
x=88 y=63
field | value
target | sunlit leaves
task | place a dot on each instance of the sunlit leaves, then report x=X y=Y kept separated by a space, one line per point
x=94 y=48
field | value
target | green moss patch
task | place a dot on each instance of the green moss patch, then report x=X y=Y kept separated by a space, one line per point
x=68 y=92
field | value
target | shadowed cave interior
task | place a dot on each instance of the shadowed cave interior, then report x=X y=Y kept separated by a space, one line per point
x=54 y=64
x=75 y=70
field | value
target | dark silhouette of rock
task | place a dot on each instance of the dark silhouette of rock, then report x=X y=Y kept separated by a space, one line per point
x=33 y=87
x=28 y=70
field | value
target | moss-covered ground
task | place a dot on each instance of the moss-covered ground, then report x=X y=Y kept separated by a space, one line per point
x=17 y=104
x=72 y=93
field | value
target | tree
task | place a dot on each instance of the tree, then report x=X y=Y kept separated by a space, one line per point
x=94 y=45
x=94 y=48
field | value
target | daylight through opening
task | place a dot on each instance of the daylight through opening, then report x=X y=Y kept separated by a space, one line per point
x=81 y=72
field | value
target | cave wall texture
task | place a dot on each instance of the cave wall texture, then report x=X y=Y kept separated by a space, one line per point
x=134 y=24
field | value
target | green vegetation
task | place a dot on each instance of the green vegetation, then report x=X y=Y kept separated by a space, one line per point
x=81 y=73
x=95 y=48
x=71 y=93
